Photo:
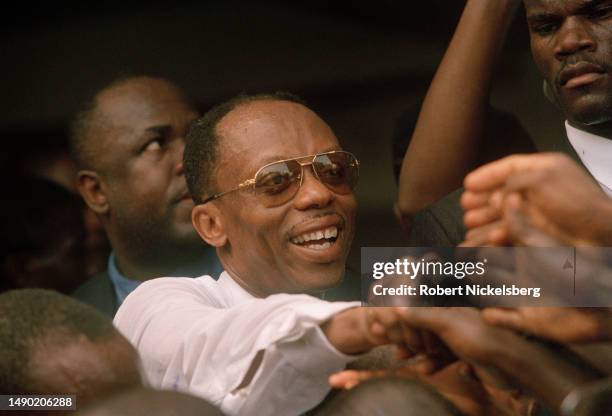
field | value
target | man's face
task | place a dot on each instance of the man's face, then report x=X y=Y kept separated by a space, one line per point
x=263 y=251
x=571 y=42
x=142 y=151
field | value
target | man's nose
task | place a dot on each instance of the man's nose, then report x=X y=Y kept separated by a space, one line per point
x=574 y=36
x=312 y=193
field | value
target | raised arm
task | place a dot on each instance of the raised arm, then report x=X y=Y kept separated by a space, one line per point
x=449 y=130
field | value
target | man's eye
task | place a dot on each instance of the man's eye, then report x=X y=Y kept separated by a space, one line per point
x=274 y=183
x=544 y=29
x=152 y=146
x=602 y=12
x=333 y=170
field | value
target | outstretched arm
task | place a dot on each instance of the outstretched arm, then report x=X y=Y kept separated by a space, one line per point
x=450 y=126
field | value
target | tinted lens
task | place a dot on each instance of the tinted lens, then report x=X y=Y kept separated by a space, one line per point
x=338 y=170
x=277 y=183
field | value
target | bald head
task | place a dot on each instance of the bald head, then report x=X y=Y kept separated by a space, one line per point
x=201 y=154
x=122 y=107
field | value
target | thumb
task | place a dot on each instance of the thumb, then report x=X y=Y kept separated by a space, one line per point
x=520 y=229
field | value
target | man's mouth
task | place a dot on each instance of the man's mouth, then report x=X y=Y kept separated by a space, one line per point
x=318 y=239
x=580 y=74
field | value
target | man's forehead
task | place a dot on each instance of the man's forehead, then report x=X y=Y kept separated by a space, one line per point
x=140 y=106
x=273 y=130
x=538 y=6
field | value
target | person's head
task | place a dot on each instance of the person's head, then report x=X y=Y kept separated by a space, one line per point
x=128 y=144
x=273 y=236
x=52 y=344
x=571 y=42
x=142 y=401
x=389 y=396
x=42 y=236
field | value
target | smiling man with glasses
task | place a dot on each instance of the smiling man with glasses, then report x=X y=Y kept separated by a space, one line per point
x=274 y=194
x=275 y=197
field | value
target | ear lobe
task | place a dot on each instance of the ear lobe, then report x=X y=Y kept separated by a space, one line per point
x=207 y=221
x=90 y=187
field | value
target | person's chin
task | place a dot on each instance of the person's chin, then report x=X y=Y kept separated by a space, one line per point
x=590 y=113
x=587 y=108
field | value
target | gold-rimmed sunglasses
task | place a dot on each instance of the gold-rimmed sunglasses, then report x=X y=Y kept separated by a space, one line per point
x=278 y=182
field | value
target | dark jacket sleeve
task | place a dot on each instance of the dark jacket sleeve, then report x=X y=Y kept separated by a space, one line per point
x=440 y=224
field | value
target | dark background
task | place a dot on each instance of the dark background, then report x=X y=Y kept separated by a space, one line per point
x=357 y=63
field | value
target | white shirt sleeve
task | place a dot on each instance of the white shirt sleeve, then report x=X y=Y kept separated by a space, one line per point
x=189 y=342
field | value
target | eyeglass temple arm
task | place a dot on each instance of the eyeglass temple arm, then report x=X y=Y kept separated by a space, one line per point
x=248 y=182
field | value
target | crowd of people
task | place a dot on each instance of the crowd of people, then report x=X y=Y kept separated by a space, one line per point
x=225 y=237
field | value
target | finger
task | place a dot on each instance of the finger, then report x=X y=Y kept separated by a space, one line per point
x=429 y=319
x=495 y=174
x=504 y=317
x=341 y=379
x=421 y=365
x=350 y=378
x=520 y=229
x=389 y=325
x=499 y=235
x=412 y=341
x=481 y=216
x=472 y=200
x=521 y=181
x=375 y=330
x=481 y=236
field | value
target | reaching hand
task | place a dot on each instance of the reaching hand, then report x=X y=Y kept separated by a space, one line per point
x=559 y=198
x=564 y=325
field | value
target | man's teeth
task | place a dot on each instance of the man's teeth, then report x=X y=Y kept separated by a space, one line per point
x=323 y=246
x=330 y=232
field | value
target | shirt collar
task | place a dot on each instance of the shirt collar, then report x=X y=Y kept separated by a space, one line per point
x=235 y=294
x=595 y=152
x=232 y=291
x=207 y=264
x=123 y=286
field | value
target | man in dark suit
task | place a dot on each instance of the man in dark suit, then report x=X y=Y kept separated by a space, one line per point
x=128 y=143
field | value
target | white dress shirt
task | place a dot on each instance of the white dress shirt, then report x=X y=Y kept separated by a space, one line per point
x=595 y=152
x=203 y=336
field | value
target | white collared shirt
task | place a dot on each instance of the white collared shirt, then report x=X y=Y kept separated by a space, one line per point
x=595 y=152
x=202 y=336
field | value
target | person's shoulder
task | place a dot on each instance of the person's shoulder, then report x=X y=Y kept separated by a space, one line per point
x=156 y=297
x=439 y=224
x=166 y=290
x=175 y=284
x=98 y=292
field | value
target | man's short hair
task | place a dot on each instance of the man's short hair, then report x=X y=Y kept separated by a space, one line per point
x=81 y=129
x=28 y=317
x=201 y=150
x=88 y=122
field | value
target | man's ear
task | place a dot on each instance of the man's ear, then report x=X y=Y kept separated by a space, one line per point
x=91 y=189
x=208 y=223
